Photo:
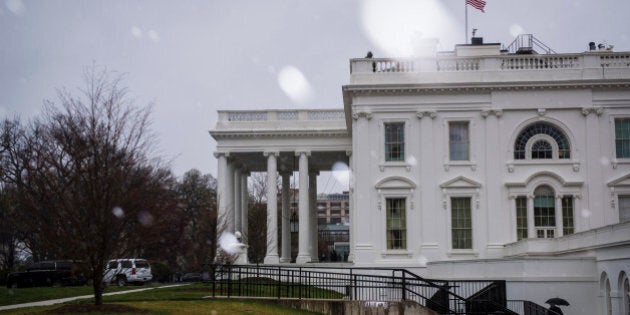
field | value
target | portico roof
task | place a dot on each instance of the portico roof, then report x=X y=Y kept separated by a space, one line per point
x=246 y=135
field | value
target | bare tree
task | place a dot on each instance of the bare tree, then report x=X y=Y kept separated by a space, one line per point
x=197 y=199
x=87 y=189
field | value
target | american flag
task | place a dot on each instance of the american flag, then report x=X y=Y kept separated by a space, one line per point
x=477 y=4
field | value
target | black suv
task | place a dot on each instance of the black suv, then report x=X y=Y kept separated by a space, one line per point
x=47 y=273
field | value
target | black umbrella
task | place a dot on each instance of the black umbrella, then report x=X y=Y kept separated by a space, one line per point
x=557 y=301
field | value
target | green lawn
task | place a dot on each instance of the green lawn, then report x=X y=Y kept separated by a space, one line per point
x=187 y=299
x=25 y=295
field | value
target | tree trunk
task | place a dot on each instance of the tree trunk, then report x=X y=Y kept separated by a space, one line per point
x=98 y=290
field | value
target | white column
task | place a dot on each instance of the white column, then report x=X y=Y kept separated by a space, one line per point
x=304 y=255
x=531 y=230
x=272 y=209
x=559 y=223
x=351 y=206
x=222 y=189
x=237 y=200
x=286 y=216
x=244 y=207
x=229 y=197
x=312 y=185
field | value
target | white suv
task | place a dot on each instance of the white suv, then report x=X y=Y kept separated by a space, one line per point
x=128 y=270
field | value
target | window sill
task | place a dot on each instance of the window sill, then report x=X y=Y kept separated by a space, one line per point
x=574 y=163
x=396 y=253
x=449 y=164
x=616 y=161
x=462 y=253
x=394 y=164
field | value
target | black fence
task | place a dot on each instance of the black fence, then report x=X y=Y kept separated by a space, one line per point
x=365 y=284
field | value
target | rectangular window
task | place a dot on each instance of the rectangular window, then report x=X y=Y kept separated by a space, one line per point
x=521 y=218
x=394 y=142
x=545 y=216
x=624 y=208
x=568 y=226
x=622 y=138
x=396 y=223
x=461 y=223
x=458 y=141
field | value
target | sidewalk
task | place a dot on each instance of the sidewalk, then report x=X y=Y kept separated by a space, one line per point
x=64 y=300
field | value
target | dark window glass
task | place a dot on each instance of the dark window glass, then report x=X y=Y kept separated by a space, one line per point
x=564 y=148
x=568 y=226
x=622 y=138
x=541 y=149
x=459 y=141
x=396 y=223
x=521 y=218
x=394 y=142
x=461 y=223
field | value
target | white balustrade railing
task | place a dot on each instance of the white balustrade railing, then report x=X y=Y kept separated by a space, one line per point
x=539 y=62
x=490 y=63
x=247 y=116
x=616 y=61
x=284 y=115
x=458 y=64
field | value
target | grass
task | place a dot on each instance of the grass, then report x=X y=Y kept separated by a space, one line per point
x=186 y=299
x=26 y=295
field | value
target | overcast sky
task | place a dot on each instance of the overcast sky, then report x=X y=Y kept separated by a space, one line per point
x=192 y=58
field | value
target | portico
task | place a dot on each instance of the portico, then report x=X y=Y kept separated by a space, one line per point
x=279 y=143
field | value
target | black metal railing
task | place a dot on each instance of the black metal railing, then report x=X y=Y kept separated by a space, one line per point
x=365 y=284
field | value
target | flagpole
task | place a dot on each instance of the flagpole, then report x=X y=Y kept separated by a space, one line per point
x=466 y=22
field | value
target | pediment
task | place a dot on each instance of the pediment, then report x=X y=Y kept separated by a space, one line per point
x=545 y=174
x=395 y=182
x=623 y=181
x=460 y=182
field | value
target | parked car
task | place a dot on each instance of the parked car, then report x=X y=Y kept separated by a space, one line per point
x=192 y=277
x=127 y=270
x=48 y=273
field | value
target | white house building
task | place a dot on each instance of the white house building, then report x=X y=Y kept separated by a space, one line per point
x=479 y=163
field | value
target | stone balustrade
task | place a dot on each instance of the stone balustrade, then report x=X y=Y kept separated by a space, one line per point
x=281 y=115
x=447 y=68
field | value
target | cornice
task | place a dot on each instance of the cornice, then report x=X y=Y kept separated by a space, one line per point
x=419 y=88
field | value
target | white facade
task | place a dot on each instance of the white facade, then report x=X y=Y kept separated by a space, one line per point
x=476 y=164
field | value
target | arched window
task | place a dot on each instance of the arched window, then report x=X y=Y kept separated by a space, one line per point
x=624 y=289
x=541 y=149
x=542 y=140
x=545 y=212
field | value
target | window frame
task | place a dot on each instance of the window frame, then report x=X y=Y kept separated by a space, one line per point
x=534 y=138
x=404 y=238
x=450 y=124
x=387 y=156
x=519 y=208
x=469 y=228
x=383 y=163
x=472 y=143
x=615 y=139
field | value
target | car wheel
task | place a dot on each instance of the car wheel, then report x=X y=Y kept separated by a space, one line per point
x=121 y=281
